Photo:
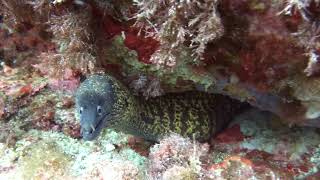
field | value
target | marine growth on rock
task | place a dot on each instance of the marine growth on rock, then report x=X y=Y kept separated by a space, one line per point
x=117 y=70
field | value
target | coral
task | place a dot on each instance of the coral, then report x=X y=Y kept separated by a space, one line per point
x=232 y=134
x=22 y=33
x=235 y=167
x=179 y=173
x=39 y=154
x=176 y=23
x=23 y=48
x=313 y=64
x=316 y=160
x=175 y=152
x=267 y=55
x=114 y=170
x=264 y=52
x=306 y=8
x=307 y=36
x=250 y=40
x=2 y=106
x=21 y=14
x=47 y=112
x=147 y=87
x=144 y=46
x=266 y=145
x=17 y=89
x=7 y=166
x=293 y=149
x=55 y=2
x=179 y=76
x=29 y=102
x=306 y=90
x=11 y=132
x=120 y=10
x=43 y=161
x=69 y=81
x=308 y=30
x=97 y=159
x=75 y=43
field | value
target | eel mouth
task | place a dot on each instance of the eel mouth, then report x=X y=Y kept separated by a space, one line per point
x=95 y=130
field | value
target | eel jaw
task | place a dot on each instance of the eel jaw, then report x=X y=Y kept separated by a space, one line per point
x=94 y=130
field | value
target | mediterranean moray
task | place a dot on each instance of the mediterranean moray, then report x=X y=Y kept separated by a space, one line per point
x=102 y=101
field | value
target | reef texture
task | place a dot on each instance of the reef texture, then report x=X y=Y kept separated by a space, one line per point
x=43 y=143
x=263 y=52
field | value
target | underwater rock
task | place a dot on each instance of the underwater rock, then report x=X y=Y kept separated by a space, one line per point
x=176 y=153
x=261 y=45
x=261 y=52
x=267 y=142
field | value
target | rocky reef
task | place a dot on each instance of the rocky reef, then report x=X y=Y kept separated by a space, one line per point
x=262 y=52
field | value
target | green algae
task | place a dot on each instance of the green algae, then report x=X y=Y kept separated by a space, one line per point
x=126 y=56
x=267 y=137
x=52 y=155
x=43 y=160
x=180 y=173
x=85 y=155
x=315 y=159
x=129 y=59
x=36 y=154
x=133 y=157
x=218 y=157
x=109 y=136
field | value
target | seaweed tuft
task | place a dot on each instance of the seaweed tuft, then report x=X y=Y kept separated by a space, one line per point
x=176 y=24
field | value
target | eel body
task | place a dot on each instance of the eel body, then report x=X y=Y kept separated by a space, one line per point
x=103 y=102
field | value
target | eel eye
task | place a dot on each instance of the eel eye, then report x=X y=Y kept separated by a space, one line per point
x=99 y=110
x=81 y=109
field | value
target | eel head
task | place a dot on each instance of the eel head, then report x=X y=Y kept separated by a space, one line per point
x=94 y=104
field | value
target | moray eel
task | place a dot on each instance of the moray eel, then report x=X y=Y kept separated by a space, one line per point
x=103 y=102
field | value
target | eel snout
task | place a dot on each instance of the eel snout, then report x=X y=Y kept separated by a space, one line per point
x=91 y=128
x=88 y=131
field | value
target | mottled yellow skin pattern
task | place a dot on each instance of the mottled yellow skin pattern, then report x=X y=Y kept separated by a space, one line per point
x=189 y=114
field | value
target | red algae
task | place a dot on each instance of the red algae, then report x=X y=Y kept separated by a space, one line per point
x=232 y=134
x=72 y=130
x=270 y=147
x=27 y=89
x=269 y=60
x=2 y=108
x=111 y=27
x=145 y=47
x=259 y=155
x=259 y=49
x=263 y=45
